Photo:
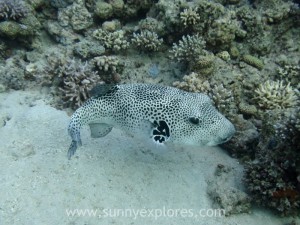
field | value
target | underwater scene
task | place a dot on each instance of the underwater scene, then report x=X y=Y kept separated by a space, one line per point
x=150 y=112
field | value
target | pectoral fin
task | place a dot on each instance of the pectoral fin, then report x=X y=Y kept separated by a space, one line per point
x=99 y=129
x=160 y=132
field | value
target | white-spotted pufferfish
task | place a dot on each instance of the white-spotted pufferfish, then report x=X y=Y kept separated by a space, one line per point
x=162 y=114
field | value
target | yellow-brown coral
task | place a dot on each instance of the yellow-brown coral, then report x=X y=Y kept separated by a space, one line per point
x=253 y=61
x=189 y=17
x=193 y=83
x=276 y=95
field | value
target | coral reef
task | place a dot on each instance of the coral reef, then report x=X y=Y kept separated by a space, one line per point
x=146 y=41
x=269 y=187
x=87 y=49
x=13 y=9
x=103 y=10
x=276 y=95
x=18 y=20
x=78 y=80
x=204 y=64
x=153 y=25
x=60 y=3
x=120 y=8
x=243 y=54
x=12 y=74
x=114 y=41
x=231 y=199
x=297 y=123
x=273 y=178
x=189 y=48
x=193 y=83
x=109 y=64
x=222 y=98
x=253 y=61
x=289 y=73
x=76 y=15
x=224 y=55
x=247 y=109
x=189 y=17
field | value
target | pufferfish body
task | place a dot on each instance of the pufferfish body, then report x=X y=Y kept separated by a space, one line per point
x=159 y=113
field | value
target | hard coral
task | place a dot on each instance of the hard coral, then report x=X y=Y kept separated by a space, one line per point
x=276 y=95
x=188 y=49
x=115 y=41
x=222 y=97
x=189 y=17
x=273 y=178
x=147 y=41
x=109 y=64
x=269 y=185
x=253 y=61
x=290 y=73
x=12 y=9
x=78 y=80
x=193 y=83
x=75 y=15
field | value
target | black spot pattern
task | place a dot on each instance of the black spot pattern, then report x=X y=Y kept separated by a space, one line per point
x=161 y=132
x=159 y=112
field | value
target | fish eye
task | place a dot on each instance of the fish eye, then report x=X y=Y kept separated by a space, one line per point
x=194 y=120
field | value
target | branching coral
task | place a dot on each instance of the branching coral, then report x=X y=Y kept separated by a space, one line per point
x=147 y=41
x=189 y=17
x=276 y=95
x=12 y=9
x=222 y=97
x=115 y=41
x=290 y=73
x=78 y=80
x=188 y=49
x=108 y=64
x=193 y=83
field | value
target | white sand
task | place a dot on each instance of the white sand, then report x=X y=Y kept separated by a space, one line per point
x=38 y=182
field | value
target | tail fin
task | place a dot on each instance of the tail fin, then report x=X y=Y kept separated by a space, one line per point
x=74 y=132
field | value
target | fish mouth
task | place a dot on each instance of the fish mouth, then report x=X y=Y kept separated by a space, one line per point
x=227 y=138
x=220 y=140
x=223 y=140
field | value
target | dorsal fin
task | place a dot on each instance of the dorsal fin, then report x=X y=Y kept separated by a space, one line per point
x=103 y=89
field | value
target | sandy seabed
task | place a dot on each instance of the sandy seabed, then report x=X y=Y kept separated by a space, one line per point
x=118 y=177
